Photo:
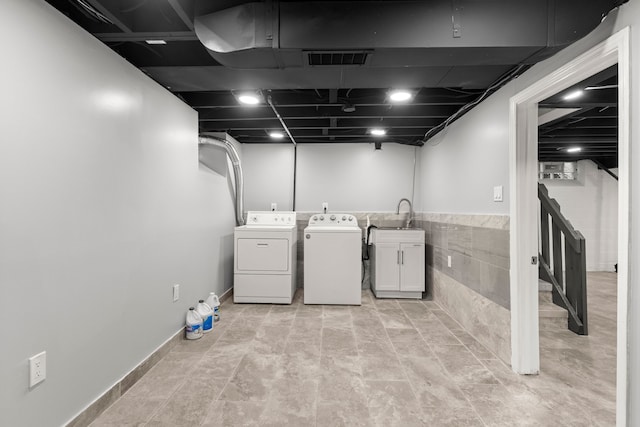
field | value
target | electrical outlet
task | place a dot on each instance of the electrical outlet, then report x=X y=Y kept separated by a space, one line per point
x=449 y=261
x=274 y=206
x=176 y=293
x=325 y=207
x=497 y=193
x=37 y=369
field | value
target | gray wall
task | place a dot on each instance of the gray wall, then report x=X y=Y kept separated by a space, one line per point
x=103 y=207
x=268 y=176
x=475 y=171
x=350 y=177
x=461 y=165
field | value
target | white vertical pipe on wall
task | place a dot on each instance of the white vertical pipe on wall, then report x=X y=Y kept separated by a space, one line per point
x=231 y=151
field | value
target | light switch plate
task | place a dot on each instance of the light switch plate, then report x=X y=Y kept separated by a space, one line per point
x=497 y=193
x=176 y=293
x=37 y=369
x=449 y=261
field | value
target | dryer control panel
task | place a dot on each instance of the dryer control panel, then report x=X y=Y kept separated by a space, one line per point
x=266 y=218
x=333 y=219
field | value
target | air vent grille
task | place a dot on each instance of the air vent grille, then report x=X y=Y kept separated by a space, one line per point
x=337 y=58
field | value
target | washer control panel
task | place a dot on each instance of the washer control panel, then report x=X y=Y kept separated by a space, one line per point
x=333 y=219
x=271 y=218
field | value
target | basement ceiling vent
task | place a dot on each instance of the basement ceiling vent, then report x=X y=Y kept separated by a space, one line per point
x=333 y=58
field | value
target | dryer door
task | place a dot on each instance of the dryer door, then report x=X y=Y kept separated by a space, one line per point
x=262 y=255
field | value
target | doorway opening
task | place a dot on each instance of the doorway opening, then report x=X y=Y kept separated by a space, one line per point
x=578 y=192
x=523 y=142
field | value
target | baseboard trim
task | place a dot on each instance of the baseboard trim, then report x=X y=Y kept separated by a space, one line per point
x=226 y=295
x=109 y=397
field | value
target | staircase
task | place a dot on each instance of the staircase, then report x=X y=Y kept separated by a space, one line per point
x=562 y=265
x=551 y=316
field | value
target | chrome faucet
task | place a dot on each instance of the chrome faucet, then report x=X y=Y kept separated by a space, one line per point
x=410 y=217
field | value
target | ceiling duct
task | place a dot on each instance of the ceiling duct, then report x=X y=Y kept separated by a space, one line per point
x=282 y=35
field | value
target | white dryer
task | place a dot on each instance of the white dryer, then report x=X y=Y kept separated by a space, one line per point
x=332 y=257
x=265 y=256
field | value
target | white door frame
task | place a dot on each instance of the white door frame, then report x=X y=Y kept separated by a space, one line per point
x=523 y=177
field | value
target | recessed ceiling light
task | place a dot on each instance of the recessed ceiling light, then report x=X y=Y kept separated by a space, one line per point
x=249 y=98
x=155 y=42
x=400 y=95
x=276 y=135
x=378 y=132
x=574 y=149
x=573 y=95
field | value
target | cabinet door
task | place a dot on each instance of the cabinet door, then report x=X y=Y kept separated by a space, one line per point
x=387 y=266
x=412 y=267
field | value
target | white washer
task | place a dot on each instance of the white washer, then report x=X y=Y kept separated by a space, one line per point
x=265 y=256
x=332 y=257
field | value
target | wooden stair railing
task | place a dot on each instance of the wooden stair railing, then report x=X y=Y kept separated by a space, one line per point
x=569 y=285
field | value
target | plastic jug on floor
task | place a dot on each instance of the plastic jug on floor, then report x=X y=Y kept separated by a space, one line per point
x=206 y=312
x=193 y=329
x=214 y=303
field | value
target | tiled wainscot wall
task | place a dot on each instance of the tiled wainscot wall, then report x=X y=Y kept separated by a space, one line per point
x=475 y=289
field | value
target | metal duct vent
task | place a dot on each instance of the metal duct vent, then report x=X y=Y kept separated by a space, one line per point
x=337 y=58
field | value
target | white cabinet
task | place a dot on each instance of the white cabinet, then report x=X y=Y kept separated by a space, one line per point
x=385 y=267
x=397 y=263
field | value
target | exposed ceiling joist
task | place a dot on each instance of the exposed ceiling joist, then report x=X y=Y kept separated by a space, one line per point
x=187 y=17
x=328 y=66
x=110 y=9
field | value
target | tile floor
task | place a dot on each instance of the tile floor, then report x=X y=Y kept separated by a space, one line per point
x=388 y=362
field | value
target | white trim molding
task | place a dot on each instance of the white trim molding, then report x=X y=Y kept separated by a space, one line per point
x=523 y=159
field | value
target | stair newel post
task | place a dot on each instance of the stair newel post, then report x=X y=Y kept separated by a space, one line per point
x=576 y=288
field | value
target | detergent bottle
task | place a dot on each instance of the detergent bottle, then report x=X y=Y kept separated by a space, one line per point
x=193 y=328
x=206 y=312
x=214 y=303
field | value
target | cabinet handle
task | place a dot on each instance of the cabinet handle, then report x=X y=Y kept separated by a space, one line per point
x=398 y=257
x=402 y=257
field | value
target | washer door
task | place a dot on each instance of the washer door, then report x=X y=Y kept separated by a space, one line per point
x=262 y=255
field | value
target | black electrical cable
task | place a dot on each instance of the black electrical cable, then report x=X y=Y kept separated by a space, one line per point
x=365 y=252
x=495 y=86
x=366 y=257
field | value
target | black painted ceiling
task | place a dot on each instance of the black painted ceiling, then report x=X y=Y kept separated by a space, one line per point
x=449 y=53
x=591 y=124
